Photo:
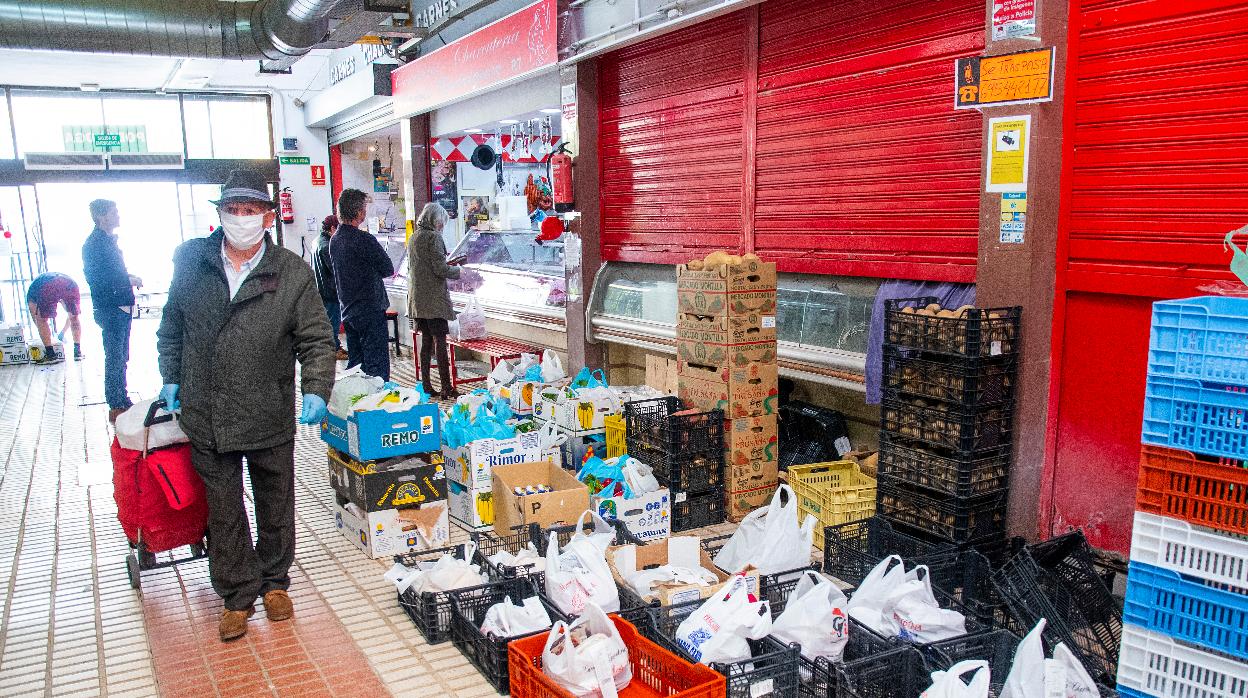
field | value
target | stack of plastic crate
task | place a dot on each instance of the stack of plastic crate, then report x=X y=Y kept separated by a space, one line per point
x=686 y=453
x=946 y=421
x=1185 y=615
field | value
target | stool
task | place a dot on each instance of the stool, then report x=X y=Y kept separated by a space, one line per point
x=496 y=349
x=393 y=317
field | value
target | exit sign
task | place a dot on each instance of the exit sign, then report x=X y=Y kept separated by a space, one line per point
x=106 y=140
x=288 y=160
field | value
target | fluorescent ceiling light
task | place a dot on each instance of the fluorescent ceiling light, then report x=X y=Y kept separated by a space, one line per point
x=508 y=122
x=472 y=130
x=551 y=111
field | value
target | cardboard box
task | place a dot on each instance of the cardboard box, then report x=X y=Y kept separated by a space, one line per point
x=661 y=373
x=390 y=483
x=377 y=434
x=36 y=351
x=472 y=464
x=563 y=505
x=741 y=503
x=741 y=289
x=13 y=334
x=683 y=551
x=381 y=534
x=575 y=414
x=721 y=329
x=868 y=461
x=576 y=449
x=12 y=355
x=743 y=391
x=751 y=439
x=725 y=355
x=521 y=394
x=753 y=475
x=648 y=517
x=471 y=508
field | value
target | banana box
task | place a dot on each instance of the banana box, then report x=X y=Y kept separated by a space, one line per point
x=522 y=395
x=473 y=463
x=586 y=411
x=727 y=289
x=389 y=532
x=13 y=334
x=740 y=391
x=472 y=509
x=14 y=354
x=578 y=447
x=390 y=483
x=751 y=447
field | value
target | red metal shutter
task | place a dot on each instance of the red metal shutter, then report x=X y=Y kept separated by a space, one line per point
x=864 y=167
x=1157 y=174
x=670 y=139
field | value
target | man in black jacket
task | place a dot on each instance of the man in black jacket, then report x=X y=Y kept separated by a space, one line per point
x=241 y=310
x=360 y=263
x=323 y=269
x=112 y=300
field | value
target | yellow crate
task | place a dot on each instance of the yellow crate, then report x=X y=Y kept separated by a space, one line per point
x=834 y=493
x=614 y=424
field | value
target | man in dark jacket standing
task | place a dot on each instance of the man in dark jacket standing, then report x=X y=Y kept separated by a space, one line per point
x=112 y=300
x=323 y=269
x=360 y=264
x=240 y=311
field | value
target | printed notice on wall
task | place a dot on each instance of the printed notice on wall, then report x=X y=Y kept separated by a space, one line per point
x=1013 y=18
x=1013 y=217
x=1011 y=78
x=1008 y=149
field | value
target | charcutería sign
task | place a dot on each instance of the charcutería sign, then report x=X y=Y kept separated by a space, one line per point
x=1012 y=78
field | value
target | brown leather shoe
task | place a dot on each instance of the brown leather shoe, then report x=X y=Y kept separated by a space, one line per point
x=234 y=623
x=278 y=606
x=341 y=355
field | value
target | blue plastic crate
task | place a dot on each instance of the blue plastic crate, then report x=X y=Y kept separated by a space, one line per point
x=1203 y=418
x=1203 y=339
x=1187 y=608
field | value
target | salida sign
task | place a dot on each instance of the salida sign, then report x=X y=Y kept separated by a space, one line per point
x=513 y=47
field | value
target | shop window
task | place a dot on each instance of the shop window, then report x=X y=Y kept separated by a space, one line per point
x=6 y=130
x=51 y=122
x=227 y=126
x=508 y=268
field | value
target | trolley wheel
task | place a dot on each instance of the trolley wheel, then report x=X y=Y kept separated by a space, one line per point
x=132 y=570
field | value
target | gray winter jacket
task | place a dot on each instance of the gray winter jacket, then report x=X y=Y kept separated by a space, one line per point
x=427 y=272
x=235 y=359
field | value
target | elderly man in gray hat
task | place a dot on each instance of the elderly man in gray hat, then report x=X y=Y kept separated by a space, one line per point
x=241 y=310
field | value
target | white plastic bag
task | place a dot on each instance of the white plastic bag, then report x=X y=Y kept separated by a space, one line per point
x=770 y=539
x=917 y=615
x=552 y=367
x=506 y=619
x=502 y=374
x=953 y=684
x=717 y=631
x=130 y=428
x=1033 y=676
x=444 y=574
x=638 y=476
x=522 y=368
x=587 y=657
x=815 y=618
x=350 y=386
x=579 y=575
x=471 y=321
x=866 y=604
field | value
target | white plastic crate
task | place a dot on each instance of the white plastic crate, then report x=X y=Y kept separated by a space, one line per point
x=1156 y=665
x=1181 y=547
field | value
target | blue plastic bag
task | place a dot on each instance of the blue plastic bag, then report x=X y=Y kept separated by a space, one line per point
x=603 y=479
x=534 y=373
x=586 y=378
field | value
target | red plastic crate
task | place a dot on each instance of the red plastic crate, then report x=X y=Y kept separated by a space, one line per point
x=656 y=672
x=1203 y=492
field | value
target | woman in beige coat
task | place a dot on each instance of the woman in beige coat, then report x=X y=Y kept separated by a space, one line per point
x=428 y=300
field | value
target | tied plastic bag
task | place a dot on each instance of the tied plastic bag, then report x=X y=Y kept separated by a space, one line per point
x=816 y=618
x=952 y=683
x=917 y=615
x=586 y=378
x=718 y=631
x=770 y=539
x=130 y=429
x=502 y=374
x=867 y=603
x=505 y=619
x=446 y=573
x=394 y=399
x=352 y=385
x=578 y=575
x=587 y=657
x=471 y=321
x=552 y=368
x=604 y=478
x=526 y=557
x=1033 y=676
x=521 y=369
x=638 y=476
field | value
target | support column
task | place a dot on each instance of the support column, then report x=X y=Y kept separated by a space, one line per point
x=579 y=100
x=417 y=187
x=1024 y=273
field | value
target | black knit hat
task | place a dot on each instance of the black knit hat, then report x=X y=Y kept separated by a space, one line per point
x=245 y=185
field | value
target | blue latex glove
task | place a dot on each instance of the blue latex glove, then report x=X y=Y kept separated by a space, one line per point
x=313 y=410
x=169 y=393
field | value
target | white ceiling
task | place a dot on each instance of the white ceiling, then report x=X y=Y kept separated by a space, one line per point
x=114 y=71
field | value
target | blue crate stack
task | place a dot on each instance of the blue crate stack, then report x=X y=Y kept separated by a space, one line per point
x=1185 y=614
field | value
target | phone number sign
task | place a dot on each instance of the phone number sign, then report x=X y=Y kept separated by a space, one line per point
x=1012 y=78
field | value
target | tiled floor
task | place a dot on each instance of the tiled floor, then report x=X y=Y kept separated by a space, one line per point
x=70 y=625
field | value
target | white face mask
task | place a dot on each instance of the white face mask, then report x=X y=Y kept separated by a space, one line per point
x=242 y=231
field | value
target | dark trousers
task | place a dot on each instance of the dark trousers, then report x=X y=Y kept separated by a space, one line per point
x=334 y=311
x=115 y=326
x=240 y=572
x=368 y=344
x=433 y=335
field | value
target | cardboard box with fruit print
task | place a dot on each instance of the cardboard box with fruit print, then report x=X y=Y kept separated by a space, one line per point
x=740 y=391
x=739 y=504
x=726 y=285
x=750 y=452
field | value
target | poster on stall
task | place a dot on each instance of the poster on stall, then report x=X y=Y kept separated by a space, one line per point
x=1008 y=150
x=476 y=210
x=1013 y=18
x=1013 y=217
x=445 y=193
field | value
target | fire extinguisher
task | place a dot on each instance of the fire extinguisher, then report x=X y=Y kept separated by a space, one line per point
x=287 y=203
x=561 y=173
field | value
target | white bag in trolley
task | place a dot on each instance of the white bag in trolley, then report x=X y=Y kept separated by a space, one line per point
x=130 y=429
x=815 y=618
x=719 y=629
x=770 y=539
x=952 y=683
x=587 y=657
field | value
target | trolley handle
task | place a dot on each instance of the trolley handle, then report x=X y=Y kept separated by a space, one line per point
x=151 y=419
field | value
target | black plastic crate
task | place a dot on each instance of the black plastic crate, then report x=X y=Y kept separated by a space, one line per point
x=967 y=431
x=690 y=511
x=892 y=673
x=489 y=543
x=1057 y=580
x=430 y=611
x=650 y=425
x=967 y=382
x=486 y=651
x=951 y=519
x=689 y=471
x=809 y=434
x=997 y=647
x=940 y=471
x=776 y=587
x=973 y=332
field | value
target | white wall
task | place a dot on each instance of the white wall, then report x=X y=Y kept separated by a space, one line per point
x=311 y=203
